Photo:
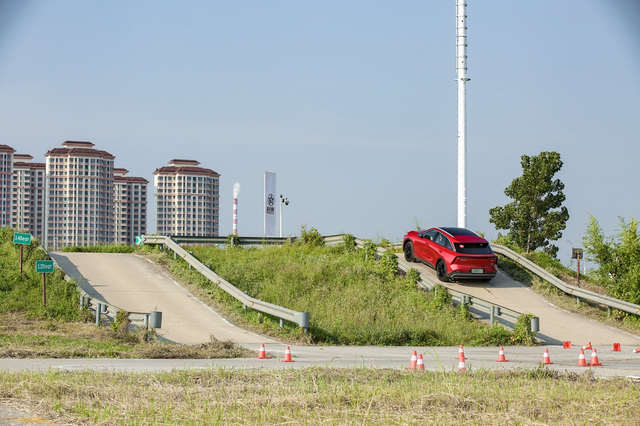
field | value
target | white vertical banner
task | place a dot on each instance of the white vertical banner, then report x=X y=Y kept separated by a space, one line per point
x=269 y=203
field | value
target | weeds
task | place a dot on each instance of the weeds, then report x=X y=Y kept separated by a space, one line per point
x=321 y=396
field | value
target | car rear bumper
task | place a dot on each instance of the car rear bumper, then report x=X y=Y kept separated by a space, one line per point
x=469 y=276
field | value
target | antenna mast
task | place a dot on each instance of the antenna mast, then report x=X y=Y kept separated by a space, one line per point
x=461 y=67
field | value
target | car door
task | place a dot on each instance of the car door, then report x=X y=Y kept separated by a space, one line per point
x=425 y=251
x=439 y=244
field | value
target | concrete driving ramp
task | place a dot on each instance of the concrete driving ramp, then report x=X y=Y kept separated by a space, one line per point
x=556 y=325
x=136 y=284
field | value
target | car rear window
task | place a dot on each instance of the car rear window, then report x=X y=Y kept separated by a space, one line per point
x=473 y=248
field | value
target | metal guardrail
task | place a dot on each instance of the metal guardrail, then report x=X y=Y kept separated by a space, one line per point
x=569 y=289
x=300 y=318
x=100 y=306
x=250 y=241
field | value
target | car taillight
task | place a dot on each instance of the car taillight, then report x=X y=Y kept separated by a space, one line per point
x=460 y=259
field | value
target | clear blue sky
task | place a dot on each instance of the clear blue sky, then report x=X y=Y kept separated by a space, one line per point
x=352 y=104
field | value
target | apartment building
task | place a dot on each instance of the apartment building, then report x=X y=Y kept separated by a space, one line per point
x=80 y=188
x=130 y=206
x=6 y=183
x=28 y=195
x=187 y=199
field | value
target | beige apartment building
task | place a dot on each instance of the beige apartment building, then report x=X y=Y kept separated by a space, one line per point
x=6 y=184
x=130 y=206
x=79 y=187
x=187 y=199
x=28 y=195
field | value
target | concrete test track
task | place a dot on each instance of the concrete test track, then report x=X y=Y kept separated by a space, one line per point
x=556 y=325
x=134 y=283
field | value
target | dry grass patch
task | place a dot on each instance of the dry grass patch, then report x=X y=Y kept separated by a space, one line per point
x=25 y=337
x=323 y=396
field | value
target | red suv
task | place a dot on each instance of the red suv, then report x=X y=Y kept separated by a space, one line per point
x=455 y=253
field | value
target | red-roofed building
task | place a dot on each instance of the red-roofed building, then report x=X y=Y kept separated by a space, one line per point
x=79 y=205
x=6 y=183
x=187 y=199
x=130 y=206
x=28 y=195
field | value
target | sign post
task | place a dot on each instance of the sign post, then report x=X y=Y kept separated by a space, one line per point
x=44 y=267
x=22 y=240
x=576 y=253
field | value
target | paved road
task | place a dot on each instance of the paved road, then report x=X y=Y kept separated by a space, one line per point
x=136 y=284
x=556 y=325
x=624 y=363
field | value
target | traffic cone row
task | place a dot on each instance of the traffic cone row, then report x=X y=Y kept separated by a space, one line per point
x=417 y=361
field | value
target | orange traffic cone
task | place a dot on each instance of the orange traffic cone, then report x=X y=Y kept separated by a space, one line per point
x=501 y=357
x=262 y=354
x=287 y=355
x=616 y=347
x=545 y=357
x=636 y=351
x=588 y=346
x=581 y=361
x=462 y=366
x=594 y=359
x=420 y=365
x=461 y=353
x=566 y=344
x=413 y=362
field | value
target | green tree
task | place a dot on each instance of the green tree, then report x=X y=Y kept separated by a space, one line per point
x=618 y=259
x=536 y=215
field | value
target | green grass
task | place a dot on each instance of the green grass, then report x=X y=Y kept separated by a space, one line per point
x=351 y=301
x=62 y=329
x=323 y=396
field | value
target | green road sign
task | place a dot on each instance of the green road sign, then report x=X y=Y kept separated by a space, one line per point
x=140 y=239
x=20 y=238
x=44 y=266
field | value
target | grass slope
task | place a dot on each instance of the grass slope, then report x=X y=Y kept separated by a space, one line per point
x=62 y=329
x=351 y=300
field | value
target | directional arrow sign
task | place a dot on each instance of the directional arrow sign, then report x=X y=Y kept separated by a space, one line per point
x=44 y=266
x=20 y=238
x=140 y=239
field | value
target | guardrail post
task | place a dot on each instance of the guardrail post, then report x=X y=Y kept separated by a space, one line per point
x=98 y=314
x=535 y=324
x=281 y=322
x=491 y=315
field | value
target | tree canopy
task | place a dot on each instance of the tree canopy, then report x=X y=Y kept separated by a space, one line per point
x=536 y=215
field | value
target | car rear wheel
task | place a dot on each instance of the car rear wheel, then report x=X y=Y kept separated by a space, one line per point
x=408 y=252
x=441 y=271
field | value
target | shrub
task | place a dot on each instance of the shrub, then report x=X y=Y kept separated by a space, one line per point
x=311 y=237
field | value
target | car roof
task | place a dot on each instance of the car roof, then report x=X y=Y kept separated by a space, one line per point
x=454 y=231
